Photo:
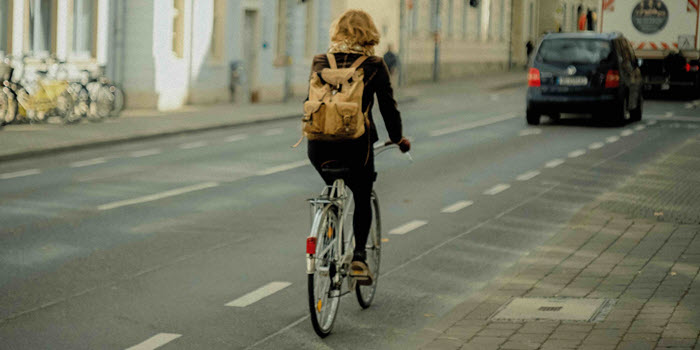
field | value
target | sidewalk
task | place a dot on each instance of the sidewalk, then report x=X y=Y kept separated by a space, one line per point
x=21 y=141
x=621 y=248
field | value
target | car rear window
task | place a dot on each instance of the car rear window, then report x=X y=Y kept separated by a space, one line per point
x=589 y=51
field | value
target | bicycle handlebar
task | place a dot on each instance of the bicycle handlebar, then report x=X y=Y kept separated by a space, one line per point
x=389 y=145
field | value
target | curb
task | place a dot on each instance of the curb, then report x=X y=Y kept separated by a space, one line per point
x=156 y=135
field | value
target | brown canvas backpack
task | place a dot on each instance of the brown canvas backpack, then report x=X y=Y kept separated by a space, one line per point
x=334 y=109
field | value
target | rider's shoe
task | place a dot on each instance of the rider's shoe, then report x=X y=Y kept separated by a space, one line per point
x=359 y=270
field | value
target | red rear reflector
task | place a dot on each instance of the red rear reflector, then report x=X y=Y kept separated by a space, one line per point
x=533 y=77
x=311 y=245
x=612 y=79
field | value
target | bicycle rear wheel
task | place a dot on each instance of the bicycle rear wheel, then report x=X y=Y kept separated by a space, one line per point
x=324 y=295
x=365 y=294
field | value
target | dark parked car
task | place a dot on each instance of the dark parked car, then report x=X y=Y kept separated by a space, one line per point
x=584 y=73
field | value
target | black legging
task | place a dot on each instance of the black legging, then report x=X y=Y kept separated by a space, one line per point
x=353 y=155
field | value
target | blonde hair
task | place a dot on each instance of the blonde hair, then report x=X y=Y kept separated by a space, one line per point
x=355 y=27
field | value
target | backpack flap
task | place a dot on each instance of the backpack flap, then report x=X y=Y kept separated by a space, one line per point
x=313 y=125
x=351 y=123
x=337 y=77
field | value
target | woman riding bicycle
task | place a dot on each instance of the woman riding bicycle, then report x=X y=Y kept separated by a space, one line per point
x=354 y=35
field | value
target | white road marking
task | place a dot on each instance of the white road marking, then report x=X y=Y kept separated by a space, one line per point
x=596 y=145
x=192 y=145
x=456 y=207
x=408 y=227
x=612 y=139
x=258 y=294
x=691 y=126
x=155 y=341
x=651 y=122
x=21 y=173
x=639 y=127
x=689 y=105
x=532 y=131
x=88 y=162
x=627 y=132
x=157 y=196
x=577 y=153
x=273 y=132
x=283 y=167
x=145 y=153
x=472 y=125
x=554 y=163
x=496 y=189
x=494 y=97
x=234 y=138
x=696 y=102
x=668 y=115
x=527 y=176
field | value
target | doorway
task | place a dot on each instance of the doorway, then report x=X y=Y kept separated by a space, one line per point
x=251 y=54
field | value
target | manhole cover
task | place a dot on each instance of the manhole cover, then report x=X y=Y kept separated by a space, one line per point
x=561 y=309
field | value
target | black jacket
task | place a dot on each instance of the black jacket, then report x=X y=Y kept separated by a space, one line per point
x=377 y=81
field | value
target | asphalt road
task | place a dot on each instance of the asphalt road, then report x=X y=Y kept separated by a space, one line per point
x=143 y=244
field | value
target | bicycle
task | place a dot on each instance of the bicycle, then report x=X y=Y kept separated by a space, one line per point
x=329 y=251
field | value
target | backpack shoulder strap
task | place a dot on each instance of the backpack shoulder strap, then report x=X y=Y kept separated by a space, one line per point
x=358 y=62
x=331 y=61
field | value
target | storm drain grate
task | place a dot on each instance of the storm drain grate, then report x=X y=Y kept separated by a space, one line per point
x=560 y=309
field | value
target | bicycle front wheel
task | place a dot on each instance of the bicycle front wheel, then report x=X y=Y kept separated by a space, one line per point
x=365 y=294
x=324 y=294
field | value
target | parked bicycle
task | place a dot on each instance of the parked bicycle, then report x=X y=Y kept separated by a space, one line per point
x=329 y=250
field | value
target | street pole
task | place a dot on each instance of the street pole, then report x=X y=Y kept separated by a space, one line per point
x=288 y=51
x=436 y=58
x=402 y=40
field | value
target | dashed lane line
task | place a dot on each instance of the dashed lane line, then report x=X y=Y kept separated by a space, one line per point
x=273 y=132
x=596 y=145
x=155 y=341
x=626 y=132
x=577 y=153
x=689 y=105
x=21 y=173
x=651 y=122
x=408 y=227
x=157 y=196
x=234 y=138
x=530 y=131
x=258 y=294
x=145 y=153
x=527 y=176
x=639 y=127
x=554 y=163
x=612 y=139
x=668 y=114
x=283 y=167
x=192 y=145
x=456 y=207
x=89 y=162
x=472 y=125
x=496 y=189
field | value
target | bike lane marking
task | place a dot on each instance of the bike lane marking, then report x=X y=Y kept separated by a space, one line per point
x=234 y=138
x=453 y=208
x=651 y=122
x=89 y=162
x=627 y=132
x=408 y=227
x=639 y=127
x=21 y=173
x=527 y=176
x=273 y=132
x=612 y=139
x=145 y=153
x=596 y=145
x=155 y=341
x=496 y=189
x=157 y=196
x=472 y=125
x=258 y=294
x=192 y=145
x=554 y=163
x=283 y=167
x=577 y=153
x=532 y=131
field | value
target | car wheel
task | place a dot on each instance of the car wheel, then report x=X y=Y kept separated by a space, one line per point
x=532 y=118
x=636 y=114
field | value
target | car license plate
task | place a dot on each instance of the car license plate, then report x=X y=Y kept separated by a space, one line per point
x=573 y=81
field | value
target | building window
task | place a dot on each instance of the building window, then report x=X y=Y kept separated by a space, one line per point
x=179 y=28
x=40 y=26
x=84 y=28
x=450 y=18
x=281 y=42
x=465 y=14
x=5 y=26
x=216 y=47
x=310 y=42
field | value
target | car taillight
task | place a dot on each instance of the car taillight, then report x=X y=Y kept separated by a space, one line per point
x=533 y=77
x=311 y=245
x=612 y=79
x=689 y=68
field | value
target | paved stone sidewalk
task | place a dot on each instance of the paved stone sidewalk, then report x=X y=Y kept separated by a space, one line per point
x=648 y=266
